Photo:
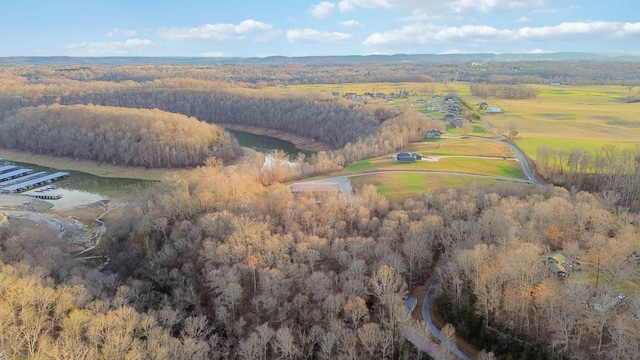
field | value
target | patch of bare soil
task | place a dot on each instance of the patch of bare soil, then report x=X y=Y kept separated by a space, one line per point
x=300 y=142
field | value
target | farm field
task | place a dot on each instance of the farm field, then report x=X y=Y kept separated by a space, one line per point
x=461 y=147
x=396 y=186
x=566 y=116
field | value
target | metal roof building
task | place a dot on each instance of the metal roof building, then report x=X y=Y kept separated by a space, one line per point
x=22 y=179
x=5 y=169
x=34 y=183
x=15 y=174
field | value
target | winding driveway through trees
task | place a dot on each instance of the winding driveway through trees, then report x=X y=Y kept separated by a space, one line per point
x=344 y=184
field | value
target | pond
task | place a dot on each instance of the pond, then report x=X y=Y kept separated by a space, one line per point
x=265 y=144
x=82 y=188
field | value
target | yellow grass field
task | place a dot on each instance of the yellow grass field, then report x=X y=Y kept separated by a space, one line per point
x=566 y=116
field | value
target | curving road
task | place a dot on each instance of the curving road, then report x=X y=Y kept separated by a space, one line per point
x=428 y=320
x=345 y=187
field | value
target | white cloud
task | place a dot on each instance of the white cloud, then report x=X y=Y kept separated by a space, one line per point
x=128 y=47
x=537 y=51
x=439 y=8
x=429 y=34
x=215 y=32
x=349 y=5
x=309 y=36
x=125 y=32
x=322 y=10
x=523 y=19
x=351 y=23
x=629 y=29
x=213 y=54
x=572 y=28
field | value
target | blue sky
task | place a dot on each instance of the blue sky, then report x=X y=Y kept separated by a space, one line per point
x=262 y=28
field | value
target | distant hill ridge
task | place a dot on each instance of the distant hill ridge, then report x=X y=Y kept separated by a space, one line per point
x=435 y=58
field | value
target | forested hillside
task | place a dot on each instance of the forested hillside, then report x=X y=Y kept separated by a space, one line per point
x=356 y=131
x=118 y=136
x=246 y=271
x=215 y=265
x=311 y=116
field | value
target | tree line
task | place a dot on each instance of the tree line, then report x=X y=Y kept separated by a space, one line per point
x=611 y=169
x=503 y=91
x=338 y=71
x=118 y=136
x=215 y=265
x=499 y=276
x=357 y=132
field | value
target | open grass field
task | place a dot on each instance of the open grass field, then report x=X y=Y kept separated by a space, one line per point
x=449 y=147
x=401 y=186
x=530 y=145
x=566 y=116
x=461 y=147
x=476 y=129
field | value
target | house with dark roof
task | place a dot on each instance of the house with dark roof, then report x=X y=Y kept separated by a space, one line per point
x=405 y=157
x=432 y=134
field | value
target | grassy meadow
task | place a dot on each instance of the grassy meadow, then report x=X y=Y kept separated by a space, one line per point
x=566 y=116
x=401 y=185
x=396 y=186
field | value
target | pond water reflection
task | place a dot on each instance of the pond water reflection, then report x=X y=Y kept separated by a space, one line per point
x=265 y=144
x=82 y=188
x=70 y=198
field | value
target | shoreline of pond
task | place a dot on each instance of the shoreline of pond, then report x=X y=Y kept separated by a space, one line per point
x=300 y=142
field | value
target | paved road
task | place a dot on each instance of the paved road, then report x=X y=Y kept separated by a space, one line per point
x=345 y=186
x=428 y=320
x=526 y=168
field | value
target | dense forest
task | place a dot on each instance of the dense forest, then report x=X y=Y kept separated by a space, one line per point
x=116 y=135
x=357 y=132
x=264 y=73
x=215 y=265
x=611 y=169
x=245 y=271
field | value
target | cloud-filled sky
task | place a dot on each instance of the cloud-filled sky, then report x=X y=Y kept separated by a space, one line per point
x=249 y=28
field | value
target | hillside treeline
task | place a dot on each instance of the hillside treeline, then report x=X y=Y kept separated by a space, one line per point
x=314 y=115
x=357 y=131
x=503 y=91
x=498 y=276
x=118 y=136
x=327 y=120
x=338 y=71
x=612 y=169
x=207 y=268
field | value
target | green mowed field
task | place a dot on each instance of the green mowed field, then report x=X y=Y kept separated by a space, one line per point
x=395 y=186
x=476 y=129
x=490 y=167
x=530 y=146
x=461 y=147
x=566 y=116
x=399 y=186
x=502 y=167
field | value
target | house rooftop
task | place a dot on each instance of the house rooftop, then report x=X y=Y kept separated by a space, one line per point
x=558 y=258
